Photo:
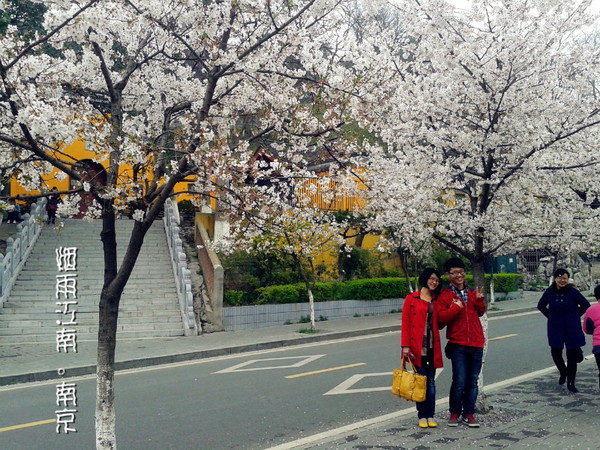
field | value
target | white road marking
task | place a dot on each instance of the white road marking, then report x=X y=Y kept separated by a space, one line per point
x=242 y=367
x=345 y=386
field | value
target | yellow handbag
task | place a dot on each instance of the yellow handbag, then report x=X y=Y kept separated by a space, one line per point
x=409 y=385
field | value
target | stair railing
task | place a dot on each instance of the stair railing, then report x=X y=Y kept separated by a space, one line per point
x=180 y=268
x=19 y=247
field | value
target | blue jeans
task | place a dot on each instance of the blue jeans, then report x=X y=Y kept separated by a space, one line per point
x=466 y=365
x=426 y=408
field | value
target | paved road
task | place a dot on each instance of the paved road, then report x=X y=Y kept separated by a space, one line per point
x=536 y=412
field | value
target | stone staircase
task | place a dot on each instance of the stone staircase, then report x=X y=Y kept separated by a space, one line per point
x=149 y=304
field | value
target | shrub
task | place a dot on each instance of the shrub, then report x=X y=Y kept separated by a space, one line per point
x=289 y=293
x=239 y=298
x=247 y=271
x=367 y=289
x=233 y=298
x=364 y=289
x=505 y=282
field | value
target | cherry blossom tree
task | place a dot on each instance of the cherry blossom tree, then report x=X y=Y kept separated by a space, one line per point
x=302 y=232
x=491 y=123
x=173 y=90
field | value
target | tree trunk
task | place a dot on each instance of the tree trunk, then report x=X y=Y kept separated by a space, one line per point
x=340 y=262
x=311 y=302
x=107 y=341
x=105 y=371
x=404 y=263
x=482 y=405
x=114 y=283
x=307 y=283
x=360 y=237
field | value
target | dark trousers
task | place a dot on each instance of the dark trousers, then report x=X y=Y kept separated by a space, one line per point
x=568 y=370
x=426 y=408
x=466 y=365
x=51 y=215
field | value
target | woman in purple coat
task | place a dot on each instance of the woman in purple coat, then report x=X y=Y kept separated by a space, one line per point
x=563 y=305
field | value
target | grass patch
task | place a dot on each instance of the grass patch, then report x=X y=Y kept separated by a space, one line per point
x=307 y=331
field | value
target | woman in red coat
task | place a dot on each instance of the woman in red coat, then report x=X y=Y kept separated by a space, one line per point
x=420 y=337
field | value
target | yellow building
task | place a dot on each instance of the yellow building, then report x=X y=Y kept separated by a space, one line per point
x=89 y=166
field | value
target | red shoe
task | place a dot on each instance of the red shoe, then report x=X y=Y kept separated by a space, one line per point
x=471 y=421
x=453 y=421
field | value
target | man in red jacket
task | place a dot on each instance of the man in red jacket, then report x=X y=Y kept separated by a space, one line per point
x=465 y=342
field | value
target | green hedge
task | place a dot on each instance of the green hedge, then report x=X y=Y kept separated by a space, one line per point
x=506 y=282
x=503 y=282
x=364 y=289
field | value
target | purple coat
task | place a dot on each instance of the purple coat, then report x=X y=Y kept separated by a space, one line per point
x=563 y=309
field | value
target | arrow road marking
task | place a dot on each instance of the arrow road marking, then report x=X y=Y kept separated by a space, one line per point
x=344 y=387
x=241 y=367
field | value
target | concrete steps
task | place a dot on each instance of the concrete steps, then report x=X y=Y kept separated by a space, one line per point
x=149 y=304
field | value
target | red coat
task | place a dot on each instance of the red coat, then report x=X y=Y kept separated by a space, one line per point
x=414 y=318
x=465 y=327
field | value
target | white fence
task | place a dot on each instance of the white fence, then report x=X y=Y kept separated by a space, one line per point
x=237 y=318
x=19 y=247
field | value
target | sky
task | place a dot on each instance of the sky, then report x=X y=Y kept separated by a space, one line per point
x=594 y=7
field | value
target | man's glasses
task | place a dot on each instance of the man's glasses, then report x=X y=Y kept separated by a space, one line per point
x=457 y=273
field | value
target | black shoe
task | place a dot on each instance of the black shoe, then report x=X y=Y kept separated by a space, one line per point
x=562 y=378
x=571 y=387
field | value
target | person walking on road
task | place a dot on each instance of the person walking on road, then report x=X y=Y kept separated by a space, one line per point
x=465 y=342
x=420 y=338
x=591 y=325
x=563 y=305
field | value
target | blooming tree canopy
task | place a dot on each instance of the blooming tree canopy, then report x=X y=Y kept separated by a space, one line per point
x=491 y=124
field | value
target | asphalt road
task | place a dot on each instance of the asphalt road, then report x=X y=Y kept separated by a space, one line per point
x=256 y=400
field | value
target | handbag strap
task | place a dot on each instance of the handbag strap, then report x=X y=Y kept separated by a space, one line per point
x=412 y=366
